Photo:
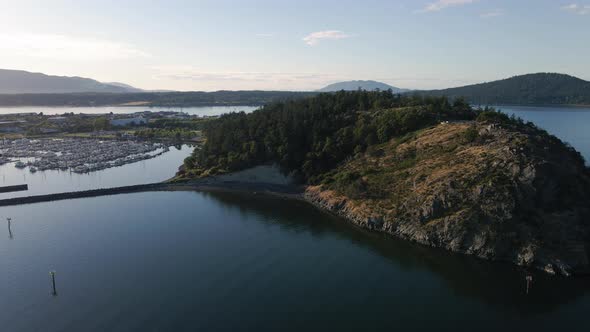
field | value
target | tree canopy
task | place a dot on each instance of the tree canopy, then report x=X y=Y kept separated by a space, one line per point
x=308 y=137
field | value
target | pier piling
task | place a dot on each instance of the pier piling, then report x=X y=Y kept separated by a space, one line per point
x=9 y=229
x=52 y=274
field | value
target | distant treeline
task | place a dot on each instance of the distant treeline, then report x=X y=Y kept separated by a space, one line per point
x=156 y=99
x=531 y=89
x=177 y=129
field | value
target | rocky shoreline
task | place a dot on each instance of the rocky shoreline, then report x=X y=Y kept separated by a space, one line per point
x=518 y=197
x=343 y=208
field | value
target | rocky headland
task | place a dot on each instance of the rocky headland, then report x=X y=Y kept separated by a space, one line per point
x=478 y=188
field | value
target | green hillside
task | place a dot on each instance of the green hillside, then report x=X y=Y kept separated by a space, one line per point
x=531 y=89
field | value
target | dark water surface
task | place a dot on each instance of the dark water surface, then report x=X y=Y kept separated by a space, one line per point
x=186 y=261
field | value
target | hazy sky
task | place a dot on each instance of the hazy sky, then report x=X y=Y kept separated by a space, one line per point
x=296 y=45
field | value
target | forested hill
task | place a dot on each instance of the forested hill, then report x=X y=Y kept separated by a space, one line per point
x=20 y=81
x=165 y=99
x=311 y=136
x=531 y=89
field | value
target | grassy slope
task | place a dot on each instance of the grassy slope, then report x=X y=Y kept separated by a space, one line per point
x=405 y=172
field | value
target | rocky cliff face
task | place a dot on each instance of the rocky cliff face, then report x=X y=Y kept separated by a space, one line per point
x=499 y=192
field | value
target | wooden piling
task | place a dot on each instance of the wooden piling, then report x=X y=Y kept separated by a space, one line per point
x=52 y=274
x=9 y=229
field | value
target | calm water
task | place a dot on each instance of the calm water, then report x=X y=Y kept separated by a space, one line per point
x=156 y=169
x=202 y=111
x=571 y=124
x=185 y=261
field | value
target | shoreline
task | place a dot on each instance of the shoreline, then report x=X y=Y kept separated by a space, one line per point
x=280 y=191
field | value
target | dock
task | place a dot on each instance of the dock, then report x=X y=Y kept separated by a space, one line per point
x=82 y=194
x=18 y=187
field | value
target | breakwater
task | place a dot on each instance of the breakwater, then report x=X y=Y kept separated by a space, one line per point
x=286 y=191
x=83 y=194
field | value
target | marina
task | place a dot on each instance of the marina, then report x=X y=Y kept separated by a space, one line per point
x=77 y=155
x=159 y=168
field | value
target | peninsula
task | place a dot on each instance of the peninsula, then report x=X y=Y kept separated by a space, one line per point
x=472 y=181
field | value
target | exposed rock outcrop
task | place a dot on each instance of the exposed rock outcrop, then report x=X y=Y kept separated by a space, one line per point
x=499 y=193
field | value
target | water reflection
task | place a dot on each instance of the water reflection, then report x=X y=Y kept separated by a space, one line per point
x=500 y=285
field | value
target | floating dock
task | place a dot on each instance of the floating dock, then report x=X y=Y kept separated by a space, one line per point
x=18 y=187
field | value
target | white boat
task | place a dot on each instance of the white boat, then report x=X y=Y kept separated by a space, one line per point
x=81 y=169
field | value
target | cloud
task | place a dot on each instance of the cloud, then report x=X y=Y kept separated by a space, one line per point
x=443 y=4
x=64 y=47
x=315 y=37
x=493 y=13
x=577 y=9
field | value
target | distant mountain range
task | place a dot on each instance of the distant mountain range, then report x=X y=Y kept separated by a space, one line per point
x=363 y=85
x=20 y=81
x=530 y=89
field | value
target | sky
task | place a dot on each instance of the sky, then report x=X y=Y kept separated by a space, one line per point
x=295 y=45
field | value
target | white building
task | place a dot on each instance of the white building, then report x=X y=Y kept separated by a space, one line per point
x=140 y=120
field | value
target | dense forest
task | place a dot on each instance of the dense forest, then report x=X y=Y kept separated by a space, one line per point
x=531 y=89
x=308 y=137
x=165 y=99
